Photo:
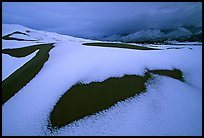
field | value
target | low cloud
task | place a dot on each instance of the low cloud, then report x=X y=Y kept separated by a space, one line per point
x=106 y=18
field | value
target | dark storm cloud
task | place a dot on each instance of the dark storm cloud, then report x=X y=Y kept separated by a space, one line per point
x=87 y=19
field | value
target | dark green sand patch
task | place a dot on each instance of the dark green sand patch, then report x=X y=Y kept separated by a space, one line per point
x=175 y=47
x=175 y=73
x=120 y=45
x=87 y=99
x=24 y=74
x=8 y=37
x=21 y=52
x=17 y=32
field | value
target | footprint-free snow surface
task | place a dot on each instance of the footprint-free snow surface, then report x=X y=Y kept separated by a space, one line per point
x=167 y=107
x=10 y=64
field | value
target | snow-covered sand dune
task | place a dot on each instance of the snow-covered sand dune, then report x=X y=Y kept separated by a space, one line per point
x=169 y=107
x=11 y=64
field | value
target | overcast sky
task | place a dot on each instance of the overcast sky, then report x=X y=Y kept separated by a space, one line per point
x=101 y=18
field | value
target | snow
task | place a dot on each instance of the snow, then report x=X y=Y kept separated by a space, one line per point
x=10 y=28
x=6 y=44
x=11 y=64
x=151 y=34
x=41 y=36
x=22 y=36
x=144 y=35
x=178 y=33
x=162 y=110
x=169 y=107
x=156 y=34
x=185 y=43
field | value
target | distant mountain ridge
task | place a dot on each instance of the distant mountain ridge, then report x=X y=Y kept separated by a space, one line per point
x=151 y=35
x=155 y=35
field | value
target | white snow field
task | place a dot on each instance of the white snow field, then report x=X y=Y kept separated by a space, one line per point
x=11 y=64
x=169 y=107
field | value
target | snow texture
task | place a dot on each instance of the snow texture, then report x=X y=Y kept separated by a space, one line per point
x=11 y=64
x=169 y=107
x=144 y=35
